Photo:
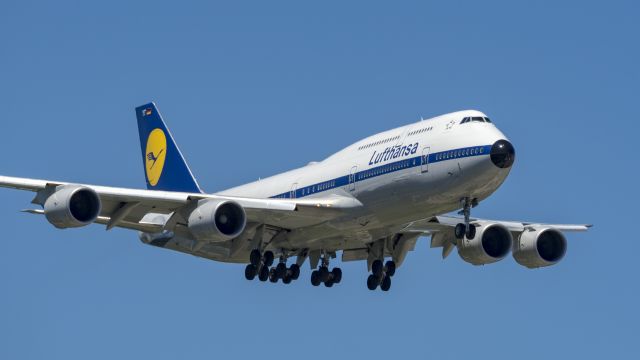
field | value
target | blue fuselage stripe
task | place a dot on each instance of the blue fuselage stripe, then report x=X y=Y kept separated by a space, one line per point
x=385 y=169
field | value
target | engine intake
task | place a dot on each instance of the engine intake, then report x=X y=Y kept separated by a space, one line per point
x=491 y=243
x=72 y=207
x=540 y=247
x=217 y=220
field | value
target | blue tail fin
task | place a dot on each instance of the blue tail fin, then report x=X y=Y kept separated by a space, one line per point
x=165 y=168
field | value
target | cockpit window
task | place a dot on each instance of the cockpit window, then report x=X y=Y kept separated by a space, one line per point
x=475 y=118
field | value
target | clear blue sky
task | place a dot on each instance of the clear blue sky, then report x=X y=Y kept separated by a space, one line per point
x=254 y=88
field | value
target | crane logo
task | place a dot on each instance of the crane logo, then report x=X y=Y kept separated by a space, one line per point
x=155 y=155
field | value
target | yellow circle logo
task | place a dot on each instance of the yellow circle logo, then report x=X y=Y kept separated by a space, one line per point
x=156 y=154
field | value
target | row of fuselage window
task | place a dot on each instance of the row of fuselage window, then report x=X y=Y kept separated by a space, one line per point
x=381 y=170
x=415 y=132
x=311 y=189
x=378 y=143
x=453 y=154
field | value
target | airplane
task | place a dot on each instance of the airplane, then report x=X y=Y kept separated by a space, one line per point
x=370 y=201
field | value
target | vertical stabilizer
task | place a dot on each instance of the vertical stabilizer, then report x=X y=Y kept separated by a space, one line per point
x=164 y=166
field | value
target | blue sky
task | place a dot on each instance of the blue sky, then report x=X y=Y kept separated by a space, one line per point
x=250 y=89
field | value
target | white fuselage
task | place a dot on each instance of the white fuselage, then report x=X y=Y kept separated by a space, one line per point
x=401 y=175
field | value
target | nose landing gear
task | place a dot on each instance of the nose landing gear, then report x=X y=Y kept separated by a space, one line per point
x=466 y=229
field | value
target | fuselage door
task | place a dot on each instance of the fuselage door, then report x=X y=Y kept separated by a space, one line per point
x=352 y=178
x=424 y=166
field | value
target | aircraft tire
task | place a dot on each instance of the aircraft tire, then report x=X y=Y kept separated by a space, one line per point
x=471 y=233
x=281 y=270
x=295 y=271
x=324 y=274
x=372 y=282
x=337 y=275
x=264 y=274
x=315 y=278
x=268 y=258
x=386 y=283
x=390 y=267
x=255 y=257
x=459 y=231
x=250 y=272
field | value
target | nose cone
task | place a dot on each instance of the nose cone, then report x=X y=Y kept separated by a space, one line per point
x=503 y=154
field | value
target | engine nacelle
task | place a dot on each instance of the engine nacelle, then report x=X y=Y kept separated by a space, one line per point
x=217 y=220
x=72 y=206
x=540 y=247
x=491 y=243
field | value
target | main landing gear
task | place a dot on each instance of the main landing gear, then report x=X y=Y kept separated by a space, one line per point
x=323 y=275
x=381 y=275
x=466 y=229
x=260 y=265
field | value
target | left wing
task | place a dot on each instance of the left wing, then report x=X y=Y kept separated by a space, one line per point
x=128 y=208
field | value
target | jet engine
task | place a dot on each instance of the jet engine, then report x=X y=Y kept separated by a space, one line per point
x=217 y=220
x=72 y=206
x=540 y=247
x=491 y=243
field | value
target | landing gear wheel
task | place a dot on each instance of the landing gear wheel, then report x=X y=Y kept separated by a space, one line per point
x=255 y=257
x=328 y=283
x=295 y=271
x=459 y=231
x=386 y=284
x=281 y=270
x=337 y=275
x=287 y=279
x=264 y=274
x=377 y=268
x=268 y=258
x=372 y=282
x=273 y=275
x=390 y=267
x=250 y=272
x=315 y=278
x=324 y=274
x=471 y=233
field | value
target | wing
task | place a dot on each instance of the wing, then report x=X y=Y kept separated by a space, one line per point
x=151 y=210
x=440 y=228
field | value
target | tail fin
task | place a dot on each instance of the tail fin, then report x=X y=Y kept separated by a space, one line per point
x=164 y=165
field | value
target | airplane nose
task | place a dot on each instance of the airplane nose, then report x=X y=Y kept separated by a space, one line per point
x=503 y=154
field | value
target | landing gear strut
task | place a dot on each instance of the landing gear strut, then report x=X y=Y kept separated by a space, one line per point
x=466 y=229
x=381 y=275
x=323 y=275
